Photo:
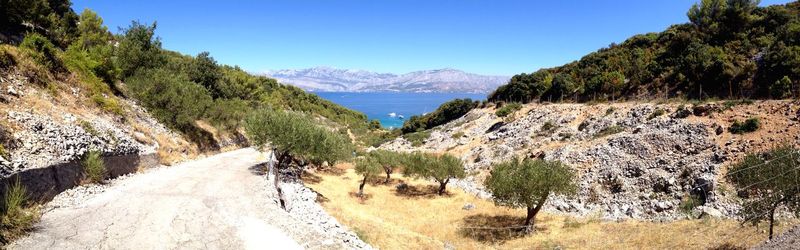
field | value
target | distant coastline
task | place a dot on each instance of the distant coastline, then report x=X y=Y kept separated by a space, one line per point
x=379 y=105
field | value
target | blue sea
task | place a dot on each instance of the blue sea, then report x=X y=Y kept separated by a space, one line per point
x=381 y=105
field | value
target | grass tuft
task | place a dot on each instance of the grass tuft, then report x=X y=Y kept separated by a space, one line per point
x=750 y=125
x=608 y=131
x=15 y=218
x=94 y=167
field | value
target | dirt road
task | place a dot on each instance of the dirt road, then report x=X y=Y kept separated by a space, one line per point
x=214 y=203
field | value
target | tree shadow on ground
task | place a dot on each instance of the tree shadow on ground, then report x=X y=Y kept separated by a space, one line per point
x=495 y=229
x=383 y=182
x=424 y=191
x=310 y=178
x=330 y=171
x=259 y=169
x=362 y=198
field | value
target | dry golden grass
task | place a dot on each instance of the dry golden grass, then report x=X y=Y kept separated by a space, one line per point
x=173 y=151
x=391 y=221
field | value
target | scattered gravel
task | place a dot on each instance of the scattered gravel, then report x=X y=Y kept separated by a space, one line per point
x=790 y=240
x=301 y=203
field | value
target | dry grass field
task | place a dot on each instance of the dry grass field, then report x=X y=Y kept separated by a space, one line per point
x=422 y=220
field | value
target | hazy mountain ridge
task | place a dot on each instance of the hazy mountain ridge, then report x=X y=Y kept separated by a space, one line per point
x=440 y=80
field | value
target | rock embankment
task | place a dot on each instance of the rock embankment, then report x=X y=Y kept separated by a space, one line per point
x=43 y=141
x=643 y=161
x=301 y=204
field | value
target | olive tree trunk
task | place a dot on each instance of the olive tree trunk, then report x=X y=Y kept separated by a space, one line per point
x=530 y=219
x=281 y=159
x=443 y=186
x=361 y=186
x=388 y=174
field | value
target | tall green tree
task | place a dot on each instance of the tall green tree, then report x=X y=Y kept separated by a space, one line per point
x=441 y=168
x=139 y=48
x=769 y=180
x=528 y=183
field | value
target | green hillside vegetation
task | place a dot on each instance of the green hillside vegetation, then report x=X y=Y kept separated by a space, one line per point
x=446 y=112
x=177 y=89
x=730 y=49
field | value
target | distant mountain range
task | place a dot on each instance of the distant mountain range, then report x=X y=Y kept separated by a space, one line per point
x=326 y=79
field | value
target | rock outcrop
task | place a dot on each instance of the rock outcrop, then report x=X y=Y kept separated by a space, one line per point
x=643 y=161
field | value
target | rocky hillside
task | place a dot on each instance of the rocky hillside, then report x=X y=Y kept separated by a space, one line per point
x=41 y=127
x=441 y=80
x=635 y=160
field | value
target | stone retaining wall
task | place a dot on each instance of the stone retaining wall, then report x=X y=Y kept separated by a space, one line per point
x=45 y=183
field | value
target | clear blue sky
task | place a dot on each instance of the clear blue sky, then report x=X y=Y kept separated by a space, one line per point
x=488 y=37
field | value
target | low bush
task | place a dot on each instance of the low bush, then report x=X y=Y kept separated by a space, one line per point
x=7 y=60
x=609 y=111
x=689 y=202
x=108 y=104
x=15 y=218
x=457 y=135
x=656 y=113
x=42 y=51
x=87 y=126
x=609 y=131
x=93 y=167
x=750 y=125
x=417 y=138
x=547 y=126
x=4 y=153
x=508 y=109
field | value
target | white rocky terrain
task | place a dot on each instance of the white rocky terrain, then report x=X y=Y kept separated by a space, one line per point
x=631 y=161
x=342 y=80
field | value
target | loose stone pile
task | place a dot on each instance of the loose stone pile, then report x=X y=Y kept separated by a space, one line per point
x=41 y=141
x=301 y=203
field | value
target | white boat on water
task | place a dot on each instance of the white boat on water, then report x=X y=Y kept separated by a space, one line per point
x=393 y=114
x=401 y=117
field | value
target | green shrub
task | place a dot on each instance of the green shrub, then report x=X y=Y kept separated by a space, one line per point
x=729 y=104
x=508 y=109
x=457 y=135
x=781 y=88
x=547 y=126
x=93 y=166
x=609 y=110
x=609 y=131
x=108 y=104
x=4 y=153
x=656 y=113
x=689 y=202
x=42 y=51
x=7 y=60
x=750 y=125
x=417 y=138
x=16 y=219
x=87 y=126
x=447 y=112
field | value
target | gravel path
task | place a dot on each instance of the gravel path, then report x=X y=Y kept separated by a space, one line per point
x=219 y=202
x=788 y=240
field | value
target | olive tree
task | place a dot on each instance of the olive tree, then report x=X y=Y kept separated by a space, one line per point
x=369 y=167
x=528 y=183
x=294 y=138
x=388 y=160
x=768 y=180
x=440 y=168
